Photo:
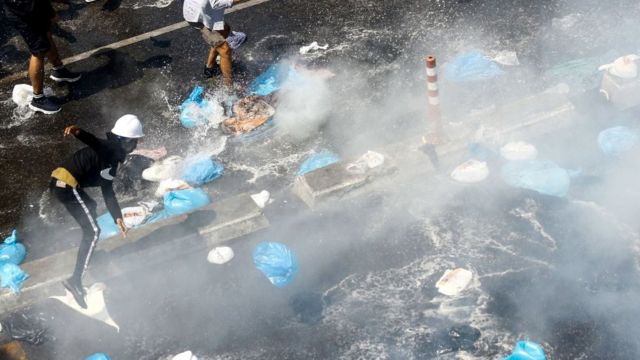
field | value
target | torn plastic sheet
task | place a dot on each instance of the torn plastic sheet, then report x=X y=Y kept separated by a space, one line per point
x=249 y=113
x=28 y=328
x=318 y=160
x=12 y=277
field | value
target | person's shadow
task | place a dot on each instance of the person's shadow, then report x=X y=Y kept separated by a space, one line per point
x=118 y=69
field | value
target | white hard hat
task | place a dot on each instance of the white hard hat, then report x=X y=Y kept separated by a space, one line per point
x=623 y=67
x=128 y=126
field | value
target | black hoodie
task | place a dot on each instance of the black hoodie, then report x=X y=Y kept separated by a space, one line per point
x=96 y=165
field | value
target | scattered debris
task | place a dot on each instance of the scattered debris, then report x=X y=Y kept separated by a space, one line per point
x=370 y=160
x=616 y=140
x=313 y=47
x=96 y=306
x=261 y=198
x=518 y=150
x=236 y=39
x=249 y=113
x=277 y=262
x=470 y=171
x=220 y=255
x=454 y=281
x=527 y=350
x=197 y=110
x=317 y=161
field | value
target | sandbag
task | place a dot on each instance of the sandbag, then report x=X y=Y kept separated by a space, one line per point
x=196 y=110
x=169 y=185
x=12 y=277
x=470 y=171
x=98 y=356
x=134 y=216
x=277 y=262
x=183 y=201
x=220 y=255
x=470 y=67
x=518 y=150
x=12 y=251
x=317 y=161
x=22 y=94
x=202 y=170
x=544 y=177
x=527 y=350
x=617 y=140
x=165 y=169
x=249 y=113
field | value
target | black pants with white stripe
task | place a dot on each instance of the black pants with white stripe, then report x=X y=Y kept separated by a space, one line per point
x=83 y=208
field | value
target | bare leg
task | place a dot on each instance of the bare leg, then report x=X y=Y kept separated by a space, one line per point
x=225 y=63
x=36 y=73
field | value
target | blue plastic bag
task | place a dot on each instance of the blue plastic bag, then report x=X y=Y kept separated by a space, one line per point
x=183 y=201
x=12 y=251
x=617 y=140
x=193 y=110
x=545 y=177
x=473 y=66
x=98 y=356
x=107 y=225
x=527 y=350
x=272 y=79
x=277 y=262
x=317 y=161
x=201 y=171
x=12 y=277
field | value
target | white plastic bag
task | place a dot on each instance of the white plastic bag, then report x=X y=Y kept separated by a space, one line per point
x=370 y=160
x=164 y=169
x=96 y=307
x=470 y=171
x=507 y=58
x=187 y=355
x=518 y=150
x=220 y=255
x=261 y=198
x=454 y=281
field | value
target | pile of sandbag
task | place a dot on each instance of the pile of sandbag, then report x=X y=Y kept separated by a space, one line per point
x=12 y=253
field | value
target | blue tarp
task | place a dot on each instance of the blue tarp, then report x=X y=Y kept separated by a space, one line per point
x=317 y=161
x=545 y=177
x=617 y=140
x=277 y=262
x=12 y=277
x=472 y=66
x=201 y=170
x=12 y=251
x=527 y=350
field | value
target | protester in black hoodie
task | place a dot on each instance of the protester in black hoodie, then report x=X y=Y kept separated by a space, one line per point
x=93 y=166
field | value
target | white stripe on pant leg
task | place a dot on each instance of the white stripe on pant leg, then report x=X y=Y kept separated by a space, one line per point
x=96 y=232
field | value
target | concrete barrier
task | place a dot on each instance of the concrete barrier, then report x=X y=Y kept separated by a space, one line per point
x=160 y=242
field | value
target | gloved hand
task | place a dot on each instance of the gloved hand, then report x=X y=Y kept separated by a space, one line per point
x=122 y=227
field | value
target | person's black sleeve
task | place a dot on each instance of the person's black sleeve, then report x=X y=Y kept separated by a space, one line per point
x=91 y=141
x=110 y=195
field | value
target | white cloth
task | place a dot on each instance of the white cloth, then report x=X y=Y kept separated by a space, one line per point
x=209 y=13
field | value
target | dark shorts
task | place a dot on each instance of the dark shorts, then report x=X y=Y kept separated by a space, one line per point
x=34 y=27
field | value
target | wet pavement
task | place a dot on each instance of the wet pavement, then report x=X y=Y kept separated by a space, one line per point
x=554 y=271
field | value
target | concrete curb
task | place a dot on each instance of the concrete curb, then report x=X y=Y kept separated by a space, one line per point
x=219 y=222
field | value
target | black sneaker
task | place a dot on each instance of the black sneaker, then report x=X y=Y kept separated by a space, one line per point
x=77 y=291
x=44 y=104
x=63 y=74
x=210 y=72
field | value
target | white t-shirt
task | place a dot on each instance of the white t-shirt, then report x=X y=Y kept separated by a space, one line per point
x=208 y=12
